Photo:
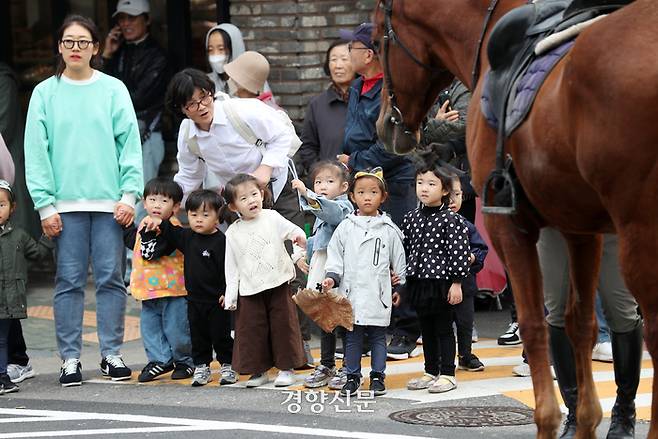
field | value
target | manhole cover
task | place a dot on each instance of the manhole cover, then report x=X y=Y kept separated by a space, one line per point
x=466 y=416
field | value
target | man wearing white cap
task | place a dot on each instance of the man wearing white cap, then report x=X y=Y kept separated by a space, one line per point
x=134 y=57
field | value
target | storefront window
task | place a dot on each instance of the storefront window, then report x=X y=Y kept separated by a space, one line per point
x=33 y=40
x=34 y=24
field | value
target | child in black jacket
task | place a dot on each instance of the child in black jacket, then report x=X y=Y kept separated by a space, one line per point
x=204 y=247
x=463 y=312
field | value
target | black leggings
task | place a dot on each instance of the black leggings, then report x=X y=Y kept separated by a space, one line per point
x=438 y=341
x=463 y=317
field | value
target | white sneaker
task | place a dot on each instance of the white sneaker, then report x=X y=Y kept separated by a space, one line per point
x=286 y=378
x=257 y=380
x=522 y=370
x=201 y=376
x=338 y=380
x=18 y=373
x=421 y=383
x=474 y=336
x=602 y=352
x=444 y=383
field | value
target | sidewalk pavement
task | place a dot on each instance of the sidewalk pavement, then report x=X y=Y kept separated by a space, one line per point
x=39 y=328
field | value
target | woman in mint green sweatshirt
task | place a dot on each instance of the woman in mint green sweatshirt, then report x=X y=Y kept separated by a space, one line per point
x=83 y=166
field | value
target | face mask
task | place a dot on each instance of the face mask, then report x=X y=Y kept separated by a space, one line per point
x=217 y=62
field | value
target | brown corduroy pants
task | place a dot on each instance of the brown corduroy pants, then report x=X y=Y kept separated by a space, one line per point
x=267 y=332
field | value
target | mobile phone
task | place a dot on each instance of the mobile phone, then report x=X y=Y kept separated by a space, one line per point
x=443 y=97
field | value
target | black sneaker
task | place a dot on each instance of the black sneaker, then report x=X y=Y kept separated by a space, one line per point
x=352 y=385
x=471 y=364
x=71 y=373
x=377 y=386
x=114 y=368
x=182 y=371
x=511 y=337
x=152 y=370
x=6 y=386
x=401 y=347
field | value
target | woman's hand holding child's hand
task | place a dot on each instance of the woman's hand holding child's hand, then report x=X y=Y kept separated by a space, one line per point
x=151 y=223
x=328 y=284
x=395 y=299
x=124 y=214
x=455 y=294
x=302 y=265
x=52 y=226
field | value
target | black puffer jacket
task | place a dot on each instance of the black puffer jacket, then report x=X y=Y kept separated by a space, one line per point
x=144 y=69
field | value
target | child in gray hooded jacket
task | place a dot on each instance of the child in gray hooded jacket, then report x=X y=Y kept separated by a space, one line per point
x=364 y=249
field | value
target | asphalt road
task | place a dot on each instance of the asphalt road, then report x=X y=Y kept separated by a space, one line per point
x=167 y=409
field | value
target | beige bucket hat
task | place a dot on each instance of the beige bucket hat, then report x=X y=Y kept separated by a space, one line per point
x=249 y=70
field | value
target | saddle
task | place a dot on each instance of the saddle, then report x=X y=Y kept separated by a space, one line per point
x=516 y=74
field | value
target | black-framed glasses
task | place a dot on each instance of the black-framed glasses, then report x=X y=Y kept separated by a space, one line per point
x=82 y=44
x=195 y=105
x=350 y=47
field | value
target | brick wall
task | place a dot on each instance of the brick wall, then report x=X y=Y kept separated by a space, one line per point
x=294 y=36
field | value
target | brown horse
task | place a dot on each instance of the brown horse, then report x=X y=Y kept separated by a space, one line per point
x=586 y=157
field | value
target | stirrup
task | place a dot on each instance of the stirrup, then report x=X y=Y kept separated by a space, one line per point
x=502 y=182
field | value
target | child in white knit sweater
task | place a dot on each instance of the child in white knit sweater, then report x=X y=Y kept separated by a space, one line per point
x=258 y=272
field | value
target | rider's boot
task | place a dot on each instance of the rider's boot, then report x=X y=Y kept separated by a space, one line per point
x=627 y=360
x=564 y=363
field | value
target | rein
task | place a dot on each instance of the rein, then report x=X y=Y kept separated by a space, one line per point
x=390 y=36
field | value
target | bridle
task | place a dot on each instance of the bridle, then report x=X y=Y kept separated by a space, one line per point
x=390 y=36
x=475 y=73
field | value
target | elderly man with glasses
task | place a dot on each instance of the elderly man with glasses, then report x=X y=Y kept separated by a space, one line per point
x=363 y=150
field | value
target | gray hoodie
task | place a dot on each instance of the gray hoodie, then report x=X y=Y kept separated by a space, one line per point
x=360 y=255
x=237 y=49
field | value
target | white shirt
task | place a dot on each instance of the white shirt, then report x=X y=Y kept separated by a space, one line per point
x=256 y=257
x=226 y=153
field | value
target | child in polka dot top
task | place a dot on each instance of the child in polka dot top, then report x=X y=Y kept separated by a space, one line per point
x=437 y=250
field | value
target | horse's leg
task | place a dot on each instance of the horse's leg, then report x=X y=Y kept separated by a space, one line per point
x=519 y=252
x=637 y=245
x=584 y=262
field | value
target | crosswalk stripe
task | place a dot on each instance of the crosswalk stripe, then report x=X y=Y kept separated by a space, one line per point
x=496 y=379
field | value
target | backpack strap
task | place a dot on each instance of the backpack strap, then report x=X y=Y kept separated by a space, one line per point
x=241 y=126
x=191 y=142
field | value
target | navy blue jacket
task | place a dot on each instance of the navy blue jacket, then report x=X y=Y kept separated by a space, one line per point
x=478 y=247
x=361 y=142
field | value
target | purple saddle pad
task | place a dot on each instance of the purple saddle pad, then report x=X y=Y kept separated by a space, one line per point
x=525 y=89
